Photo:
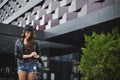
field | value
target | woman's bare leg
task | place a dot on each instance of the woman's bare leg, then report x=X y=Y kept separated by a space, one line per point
x=31 y=76
x=22 y=75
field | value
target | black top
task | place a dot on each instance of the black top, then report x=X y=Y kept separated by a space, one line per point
x=27 y=48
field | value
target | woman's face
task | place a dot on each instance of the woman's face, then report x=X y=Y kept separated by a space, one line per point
x=28 y=34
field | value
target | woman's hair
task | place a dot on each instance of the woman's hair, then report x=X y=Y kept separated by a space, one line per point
x=31 y=39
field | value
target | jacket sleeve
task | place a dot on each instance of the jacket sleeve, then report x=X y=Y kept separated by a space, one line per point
x=38 y=49
x=39 y=53
x=16 y=50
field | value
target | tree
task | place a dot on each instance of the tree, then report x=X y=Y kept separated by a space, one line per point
x=101 y=57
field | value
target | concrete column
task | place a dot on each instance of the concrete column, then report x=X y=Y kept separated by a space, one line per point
x=59 y=12
x=83 y=11
x=46 y=4
x=20 y=21
x=30 y=19
x=13 y=23
x=26 y=17
x=40 y=13
x=45 y=19
x=34 y=12
x=65 y=2
x=48 y=26
x=52 y=23
x=64 y=19
x=76 y=5
x=68 y=16
x=52 y=6
x=23 y=23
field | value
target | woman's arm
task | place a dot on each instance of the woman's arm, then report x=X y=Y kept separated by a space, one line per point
x=26 y=56
x=30 y=55
x=16 y=50
x=37 y=51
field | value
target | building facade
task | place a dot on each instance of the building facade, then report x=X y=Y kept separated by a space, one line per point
x=45 y=14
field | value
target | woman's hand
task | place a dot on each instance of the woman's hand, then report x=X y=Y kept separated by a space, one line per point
x=33 y=54
x=37 y=56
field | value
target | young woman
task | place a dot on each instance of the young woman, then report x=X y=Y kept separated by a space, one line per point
x=27 y=52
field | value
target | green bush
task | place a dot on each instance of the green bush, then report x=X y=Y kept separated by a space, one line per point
x=101 y=57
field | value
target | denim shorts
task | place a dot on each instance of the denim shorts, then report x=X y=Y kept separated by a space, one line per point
x=28 y=67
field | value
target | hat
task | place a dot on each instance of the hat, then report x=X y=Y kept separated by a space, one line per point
x=29 y=28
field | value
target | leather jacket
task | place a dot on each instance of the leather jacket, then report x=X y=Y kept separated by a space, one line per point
x=19 y=51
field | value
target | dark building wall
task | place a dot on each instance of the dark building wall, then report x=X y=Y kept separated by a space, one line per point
x=62 y=70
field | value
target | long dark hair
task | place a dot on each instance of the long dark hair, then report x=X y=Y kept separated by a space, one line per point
x=31 y=39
